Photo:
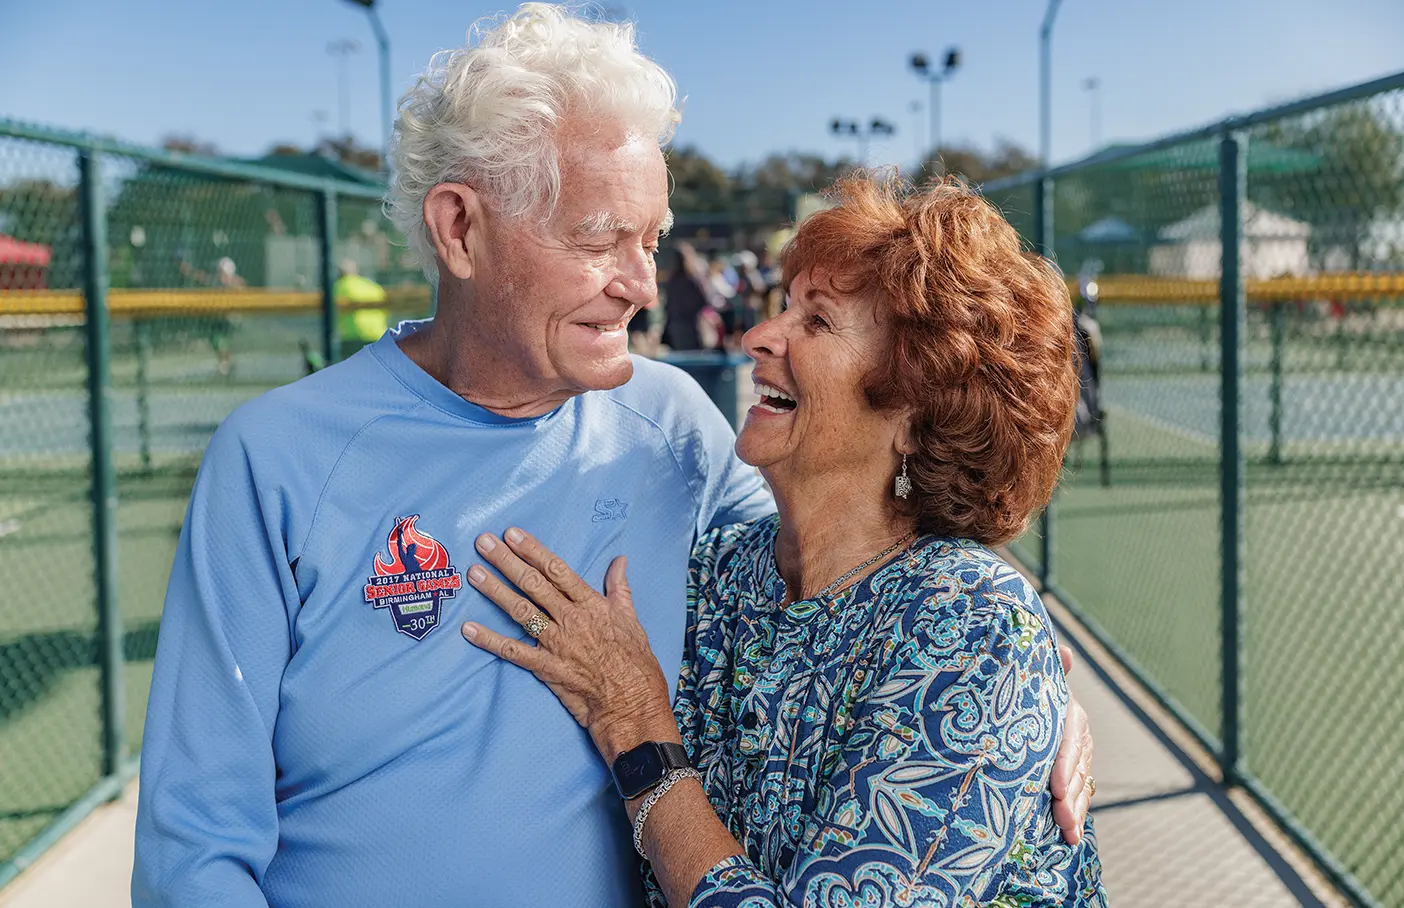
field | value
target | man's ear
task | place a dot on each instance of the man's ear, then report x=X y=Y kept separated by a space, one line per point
x=453 y=215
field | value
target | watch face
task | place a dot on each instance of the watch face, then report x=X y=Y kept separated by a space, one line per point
x=637 y=770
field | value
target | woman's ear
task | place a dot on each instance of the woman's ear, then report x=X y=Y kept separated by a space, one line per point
x=905 y=441
x=453 y=215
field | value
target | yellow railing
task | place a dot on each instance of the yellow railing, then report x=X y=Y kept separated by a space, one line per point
x=1113 y=289
x=1148 y=290
x=150 y=303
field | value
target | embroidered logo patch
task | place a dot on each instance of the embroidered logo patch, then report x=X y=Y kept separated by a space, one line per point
x=610 y=509
x=414 y=581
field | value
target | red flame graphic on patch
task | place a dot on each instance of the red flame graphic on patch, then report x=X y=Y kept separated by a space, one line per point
x=407 y=542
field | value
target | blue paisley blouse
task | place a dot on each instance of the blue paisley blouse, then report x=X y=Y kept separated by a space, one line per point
x=890 y=748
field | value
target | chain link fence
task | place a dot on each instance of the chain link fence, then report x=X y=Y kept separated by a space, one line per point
x=1233 y=526
x=143 y=296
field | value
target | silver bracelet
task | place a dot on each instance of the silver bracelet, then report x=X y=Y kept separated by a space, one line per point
x=672 y=779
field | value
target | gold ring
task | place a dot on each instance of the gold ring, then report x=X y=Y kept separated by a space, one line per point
x=1091 y=786
x=536 y=625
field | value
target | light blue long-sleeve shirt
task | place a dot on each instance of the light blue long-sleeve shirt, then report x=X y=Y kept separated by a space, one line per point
x=318 y=733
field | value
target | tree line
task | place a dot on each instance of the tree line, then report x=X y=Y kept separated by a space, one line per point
x=1341 y=170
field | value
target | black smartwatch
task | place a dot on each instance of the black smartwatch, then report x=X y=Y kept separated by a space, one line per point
x=636 y=771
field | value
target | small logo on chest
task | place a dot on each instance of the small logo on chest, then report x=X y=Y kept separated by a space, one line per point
x=610 y=509
x=415 y=580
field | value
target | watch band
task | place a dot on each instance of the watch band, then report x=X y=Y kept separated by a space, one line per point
x=674 y=755
x=640 y=769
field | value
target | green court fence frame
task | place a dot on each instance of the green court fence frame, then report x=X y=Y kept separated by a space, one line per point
x=1232 y=138
x=119 y=764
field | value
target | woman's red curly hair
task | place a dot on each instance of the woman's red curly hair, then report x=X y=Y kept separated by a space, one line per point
x=981 y=345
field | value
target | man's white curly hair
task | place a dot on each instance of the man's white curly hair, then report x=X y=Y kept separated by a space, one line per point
x=487 y=113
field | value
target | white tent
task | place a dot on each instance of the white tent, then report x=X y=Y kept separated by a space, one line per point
x=1380 y=247
x=1273 y=245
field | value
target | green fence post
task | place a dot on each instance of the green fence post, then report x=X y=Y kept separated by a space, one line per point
x=104 y=479
x=1205 y=338
x=1340 y=339
x=1043 y=242
x=1277 y=319
x=327 y=240
x=143 y=378
x=1233 y=184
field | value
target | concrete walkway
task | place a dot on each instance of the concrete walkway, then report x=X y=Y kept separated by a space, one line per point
x=1168 y=837
x=90 y=868
x=1167 y=833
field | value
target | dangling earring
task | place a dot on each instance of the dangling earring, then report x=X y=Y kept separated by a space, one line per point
x=904 y=482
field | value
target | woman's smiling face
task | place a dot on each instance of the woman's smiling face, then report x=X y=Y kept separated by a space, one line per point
x=817 y=354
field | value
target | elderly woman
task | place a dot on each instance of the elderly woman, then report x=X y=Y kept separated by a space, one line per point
x=871 y=699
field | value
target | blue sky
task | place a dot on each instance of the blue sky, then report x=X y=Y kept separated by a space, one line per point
x=759 y=76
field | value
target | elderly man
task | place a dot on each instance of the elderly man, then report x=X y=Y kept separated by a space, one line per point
x=313 y=736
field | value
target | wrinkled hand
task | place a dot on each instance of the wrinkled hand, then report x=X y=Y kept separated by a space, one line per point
x=1073 y=767
x=593 y=655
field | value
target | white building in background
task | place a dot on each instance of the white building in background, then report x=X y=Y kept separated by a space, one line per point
x=1273 y=245
x=1381 y=248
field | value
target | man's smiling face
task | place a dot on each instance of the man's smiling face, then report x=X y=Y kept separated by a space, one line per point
x=561 y=293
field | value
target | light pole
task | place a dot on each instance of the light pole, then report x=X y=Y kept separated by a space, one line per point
x=1045 y=77
x=934 y=77
x=386 y=117
x=1043 y=241
x=319 y=119
x=1092 y=84
x=915 y=108
x=852 y=128
x=343 y=50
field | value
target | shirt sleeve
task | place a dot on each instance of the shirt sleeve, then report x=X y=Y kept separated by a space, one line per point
x=940 y=773
x=207 y=820
x=732 y=491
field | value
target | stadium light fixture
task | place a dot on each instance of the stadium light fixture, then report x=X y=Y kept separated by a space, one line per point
x=383 y=40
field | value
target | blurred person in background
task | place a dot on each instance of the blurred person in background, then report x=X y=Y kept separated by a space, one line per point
x=724 y=298
x=1087 y=336
x=774 y=294
x=227 y=274
x=312 y=738
x=359 y=321
x=218 y=326
x=871 y=699
x=222 y=326
x=686 y=299
x=751 y=287
x=646 y=330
